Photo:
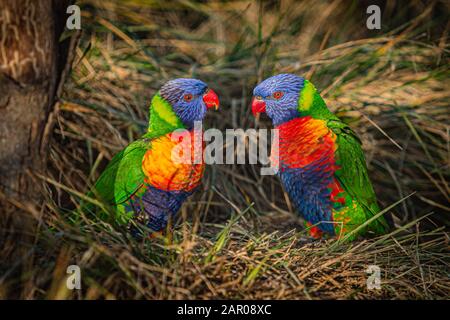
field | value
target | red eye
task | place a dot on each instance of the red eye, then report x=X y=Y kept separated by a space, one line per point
x=188 y=97
x=277 y=95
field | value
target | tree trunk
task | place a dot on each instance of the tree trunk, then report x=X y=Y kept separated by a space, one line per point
x=32 y=60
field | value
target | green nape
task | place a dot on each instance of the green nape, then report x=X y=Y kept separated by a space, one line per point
x=162 y=118
x=311 y=103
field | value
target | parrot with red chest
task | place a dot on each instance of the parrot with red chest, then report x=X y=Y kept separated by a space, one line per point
x=320 y=160
x=144 y=181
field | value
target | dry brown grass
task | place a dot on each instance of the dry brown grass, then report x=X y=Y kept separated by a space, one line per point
x=238 y=237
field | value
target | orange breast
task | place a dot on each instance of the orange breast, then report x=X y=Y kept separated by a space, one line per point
x=175 y=162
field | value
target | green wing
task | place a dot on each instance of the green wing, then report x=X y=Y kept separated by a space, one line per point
x=352 y=174
x=121 y=179
x=123 y=176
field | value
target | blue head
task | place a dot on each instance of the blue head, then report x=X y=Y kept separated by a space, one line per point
x=278 y=96
x=189 y=98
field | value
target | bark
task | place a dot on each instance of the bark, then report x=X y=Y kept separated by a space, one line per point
x=32 y=60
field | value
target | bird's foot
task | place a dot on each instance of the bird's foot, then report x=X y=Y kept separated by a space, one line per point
x=156 y=235
x=166 y=236
x=314 y=231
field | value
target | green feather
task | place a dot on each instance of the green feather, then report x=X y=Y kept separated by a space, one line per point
x=311 y=103
x=123 y=175
x=353 y=175
x=163 y=119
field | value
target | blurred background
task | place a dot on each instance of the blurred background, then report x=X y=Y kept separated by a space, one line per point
x=391 y=85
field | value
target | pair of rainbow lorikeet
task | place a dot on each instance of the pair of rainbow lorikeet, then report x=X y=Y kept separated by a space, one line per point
x=321 y=164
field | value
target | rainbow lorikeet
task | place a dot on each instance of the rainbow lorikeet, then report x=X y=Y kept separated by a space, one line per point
x=145 y=181
x=320 y=160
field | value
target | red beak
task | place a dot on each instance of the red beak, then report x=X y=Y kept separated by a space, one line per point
x=211 y=99
x=258 y=106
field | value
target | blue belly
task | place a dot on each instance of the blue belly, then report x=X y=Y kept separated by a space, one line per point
x=307 y=188
x=157 y=206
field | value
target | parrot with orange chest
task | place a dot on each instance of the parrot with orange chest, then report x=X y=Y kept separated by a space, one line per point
x=145 y=181
x=320 y=160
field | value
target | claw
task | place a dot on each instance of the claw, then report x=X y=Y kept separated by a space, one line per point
x=165 y=234
x=314 y=232
x=156 y=234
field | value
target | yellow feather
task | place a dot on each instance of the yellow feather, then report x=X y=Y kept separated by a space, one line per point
x=306 y=96
x=164 y=110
